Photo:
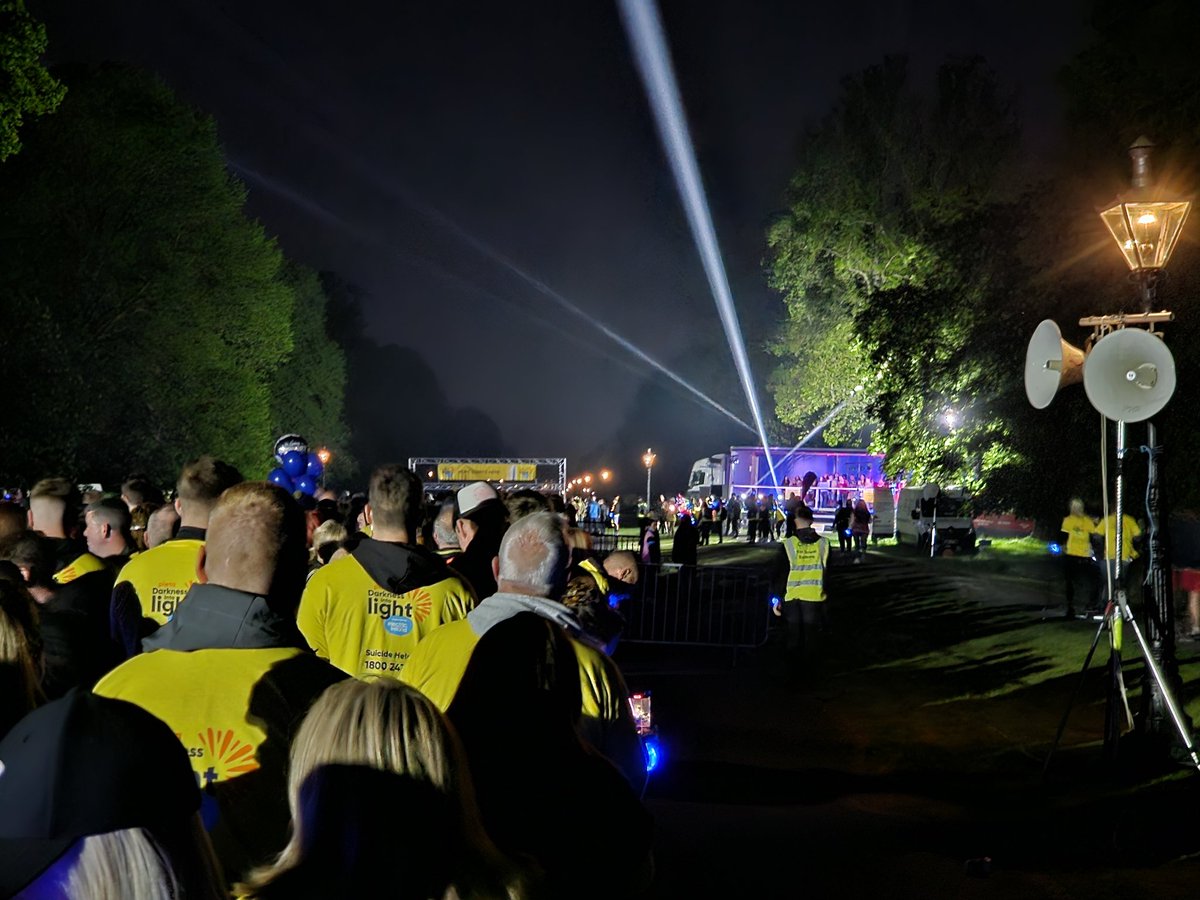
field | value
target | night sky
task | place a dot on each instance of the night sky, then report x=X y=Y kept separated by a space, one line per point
x=390 y=142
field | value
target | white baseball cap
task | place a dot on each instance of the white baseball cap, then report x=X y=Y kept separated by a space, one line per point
x=474 y=495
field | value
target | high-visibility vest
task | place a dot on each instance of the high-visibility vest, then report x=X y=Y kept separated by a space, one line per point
x=806 y=578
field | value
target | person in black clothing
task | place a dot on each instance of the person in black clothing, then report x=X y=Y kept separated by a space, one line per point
x=54 y=505
x=687 y=538
x=651 y=550
x=73 y=617
x=481 y=523
x=841 y=524
x=542 y=791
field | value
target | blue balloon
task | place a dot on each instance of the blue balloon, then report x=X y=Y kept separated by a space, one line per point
x=281 y=478
x=306 y=485
x=294 y=463
x=316 y=468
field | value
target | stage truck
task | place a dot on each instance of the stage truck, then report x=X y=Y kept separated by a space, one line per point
x=840 y=473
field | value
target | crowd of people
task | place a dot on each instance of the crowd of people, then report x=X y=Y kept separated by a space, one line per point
x=274 y=696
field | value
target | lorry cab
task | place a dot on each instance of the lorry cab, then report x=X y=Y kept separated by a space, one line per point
x=944 y=519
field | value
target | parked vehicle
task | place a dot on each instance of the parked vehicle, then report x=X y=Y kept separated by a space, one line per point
x=938 y=515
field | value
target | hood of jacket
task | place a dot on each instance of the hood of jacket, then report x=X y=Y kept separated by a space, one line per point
x=498 y=607
x=400 y=568
x=212 y=617
x=807 y=535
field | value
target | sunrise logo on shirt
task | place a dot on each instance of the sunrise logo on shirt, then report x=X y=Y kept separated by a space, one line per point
x=422 y=604
x=230 y=756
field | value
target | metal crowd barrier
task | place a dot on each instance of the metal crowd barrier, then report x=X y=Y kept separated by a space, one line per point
x=700 y=606
x=608 y=540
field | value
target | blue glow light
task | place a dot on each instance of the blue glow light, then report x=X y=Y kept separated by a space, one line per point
x=644 y=27
x=1055 y=549
x=653 y=752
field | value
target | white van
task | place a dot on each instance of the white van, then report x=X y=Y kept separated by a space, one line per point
x=947 y=516
x=883 y=518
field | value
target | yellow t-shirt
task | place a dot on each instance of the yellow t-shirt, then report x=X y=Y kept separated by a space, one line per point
x=81 y=565
x=162 y=575
x=366 y=630
x=1129 y=531
x=204 y=695
x=1079 y=531
x=437 y=666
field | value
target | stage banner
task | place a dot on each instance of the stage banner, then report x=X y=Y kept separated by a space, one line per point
x=487 y=472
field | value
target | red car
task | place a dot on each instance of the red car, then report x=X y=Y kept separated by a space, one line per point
x=1002 y=525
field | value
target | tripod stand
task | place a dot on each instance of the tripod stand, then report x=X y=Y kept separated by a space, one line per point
x=1116 y=614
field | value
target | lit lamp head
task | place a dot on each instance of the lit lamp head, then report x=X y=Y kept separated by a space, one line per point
x=1145 y=227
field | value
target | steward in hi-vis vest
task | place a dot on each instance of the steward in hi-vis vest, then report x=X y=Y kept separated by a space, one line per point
x=807 y=555
x=366 y=612
x=803 y=606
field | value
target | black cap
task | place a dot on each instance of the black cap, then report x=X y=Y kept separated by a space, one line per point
x=84 y=765
x=803 y=511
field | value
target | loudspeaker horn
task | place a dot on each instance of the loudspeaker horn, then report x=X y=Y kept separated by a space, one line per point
x=1130 y=375
x=1050 y=364
x=930 y=490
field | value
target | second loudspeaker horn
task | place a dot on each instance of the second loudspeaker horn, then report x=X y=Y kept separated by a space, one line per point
x=1129 y=375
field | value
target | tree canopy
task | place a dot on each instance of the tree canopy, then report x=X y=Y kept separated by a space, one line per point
x=880 y=285
x=148 y=319
x=919 y=250
x=26 y=88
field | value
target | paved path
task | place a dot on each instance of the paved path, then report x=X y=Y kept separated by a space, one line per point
x=911 y=751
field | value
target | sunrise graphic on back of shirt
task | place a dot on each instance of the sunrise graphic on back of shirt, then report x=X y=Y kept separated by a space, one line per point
x=422 y=604
x=229 y=756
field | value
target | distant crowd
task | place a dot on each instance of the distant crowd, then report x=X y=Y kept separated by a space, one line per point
x=227 y=689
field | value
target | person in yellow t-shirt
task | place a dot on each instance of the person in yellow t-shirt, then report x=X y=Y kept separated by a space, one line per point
x=153 y=583
x=230 y=674
x=1079 y=569
x=1130 y=532
x=366 y=612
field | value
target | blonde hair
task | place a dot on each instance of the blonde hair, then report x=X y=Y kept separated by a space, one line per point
x=393 y=727
x=131 y=862
x=331 y=531
x=255 y=530
x=20 y=653
x=382 y=723
x=1076 y=506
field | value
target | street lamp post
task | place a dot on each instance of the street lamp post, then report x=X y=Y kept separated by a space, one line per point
x=648 y=459
x=324 y=455
x=1146 y=229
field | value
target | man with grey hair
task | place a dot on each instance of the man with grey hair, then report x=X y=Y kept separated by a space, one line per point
x=444 y=536
x=531 y=573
